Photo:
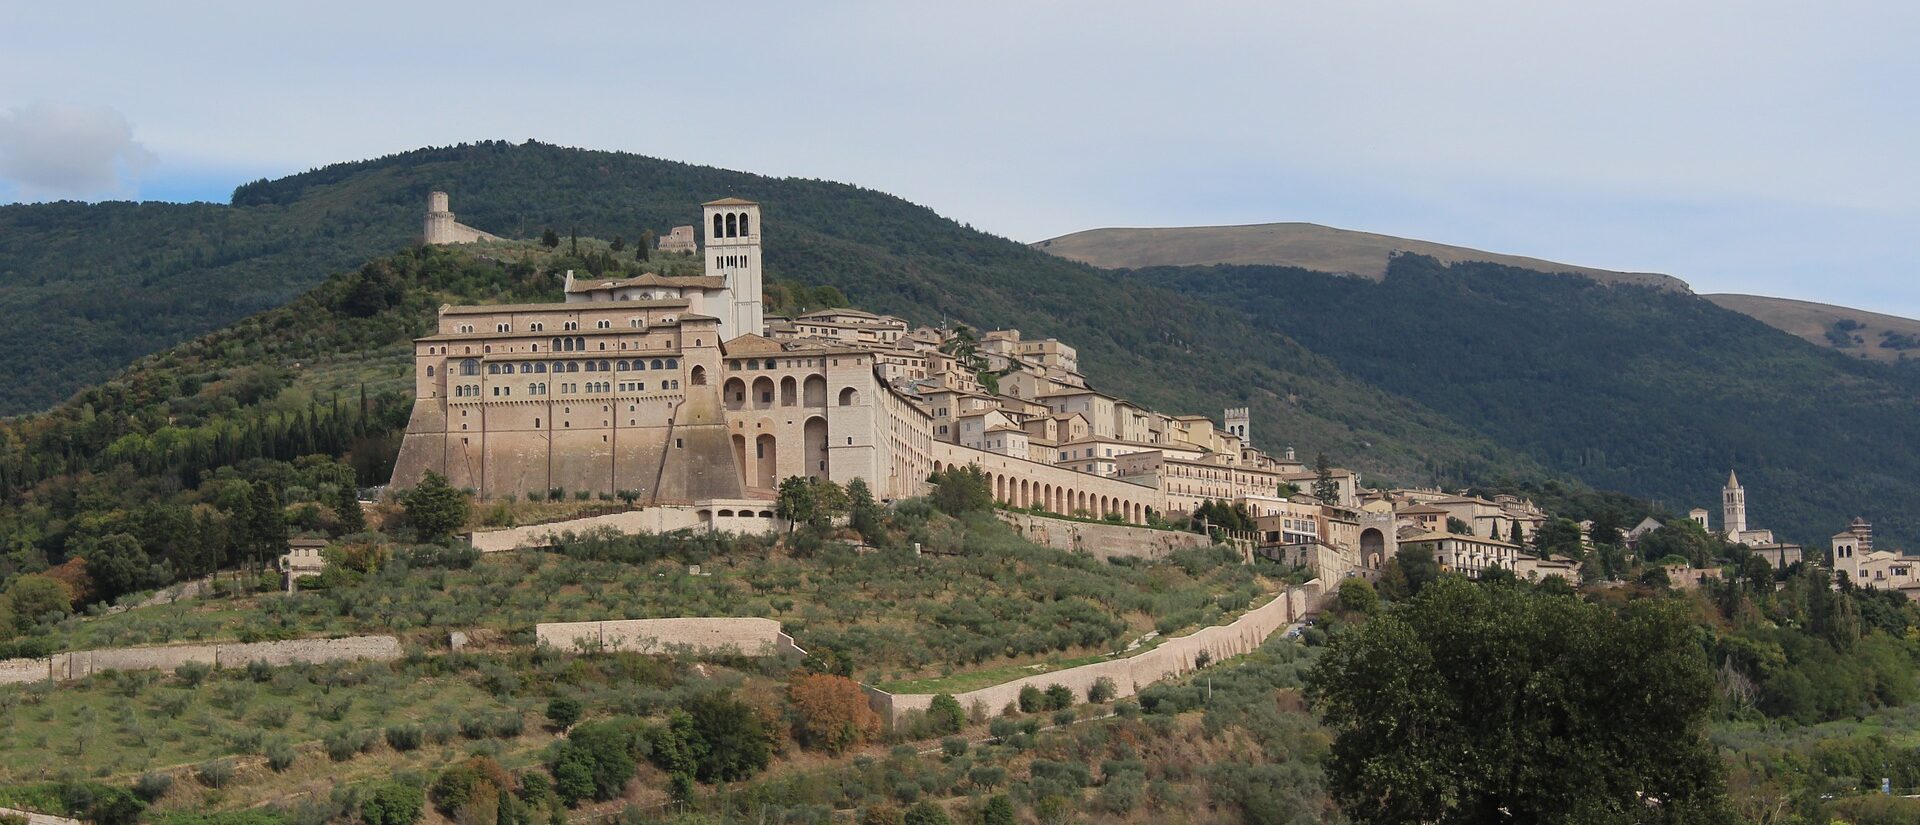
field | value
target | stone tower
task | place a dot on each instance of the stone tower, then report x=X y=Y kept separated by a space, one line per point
x=733 y=255
x=1733 y=508
x=441 y=228
x=1240 y=423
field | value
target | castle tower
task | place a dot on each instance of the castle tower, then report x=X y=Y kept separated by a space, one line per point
x=1733 y=508
x=733 y=254
x=1240 y=423
x=439 y=223
x=1699 y=516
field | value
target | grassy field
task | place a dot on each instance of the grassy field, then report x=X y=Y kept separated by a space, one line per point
x=1002 y=605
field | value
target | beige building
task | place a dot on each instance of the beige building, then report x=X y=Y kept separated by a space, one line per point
x=1468 y=555
x=680 y=239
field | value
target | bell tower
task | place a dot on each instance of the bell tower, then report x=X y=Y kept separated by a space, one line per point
x=1733 y=508
x=733 y=255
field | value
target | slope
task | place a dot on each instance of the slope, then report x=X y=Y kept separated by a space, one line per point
x=1626 y=388
x=888 y=255
x=1304 y=245
x=1856 y=331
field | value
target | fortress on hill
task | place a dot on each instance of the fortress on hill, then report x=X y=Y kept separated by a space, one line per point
x=679 y=390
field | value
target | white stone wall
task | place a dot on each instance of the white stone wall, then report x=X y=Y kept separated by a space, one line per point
x=1104 y=541
x=1172 y=658
x=38 y=818
x=662 y=519
x=749 y=636
x=83 y=663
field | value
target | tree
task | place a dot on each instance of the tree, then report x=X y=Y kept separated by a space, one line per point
x=550 y=239
x=392 y=803
x=999 y=811
x=434 y=508
x=1460 y=528
x=117 y=563
x=945 y=715
x=266 y=524
x=33 y=598
x=1324 y=488
x=1417 y=564
x=1358 y=596
x=731 y=742
x=563 y=711
x=926 y=812
x=644 y=249
x=960 y=490
x=795 y=501
x=346 y=508
x=1618 y=698
x=864 y=512
x=595 y=761
x=1517 y=535
x=619 y=244
x=831 y=712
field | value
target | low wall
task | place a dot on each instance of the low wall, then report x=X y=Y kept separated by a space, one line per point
x=660 y=519
x=1104 y=541
x=83 y=663
x=749 y=636
x=39 y=819
x=1172 y=658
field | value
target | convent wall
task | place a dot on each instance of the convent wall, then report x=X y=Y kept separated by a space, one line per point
x=80 y=664
x=746 y=635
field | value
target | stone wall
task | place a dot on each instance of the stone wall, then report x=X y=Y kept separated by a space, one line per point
x=83 y=663
x=1104 y=541
x=749 y=636
x=39 y=819
x=1172 y=658
x=662 y=519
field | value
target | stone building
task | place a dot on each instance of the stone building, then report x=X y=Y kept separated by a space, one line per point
x=679 y=240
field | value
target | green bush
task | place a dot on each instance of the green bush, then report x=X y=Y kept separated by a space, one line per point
x=405 y=737
x=945 y=716
x=563 y=712
x=152 y=787
x=280 y=755
x=392 y=803
x=1103 y=690
x=1032 y=700
x=1059 y=697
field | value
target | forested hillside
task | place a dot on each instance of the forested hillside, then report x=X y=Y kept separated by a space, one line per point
x=1433 y=375
x=1627 y=388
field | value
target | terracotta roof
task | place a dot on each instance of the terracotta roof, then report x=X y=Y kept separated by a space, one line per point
x=1440 y=536
x=582 y=306
x=751 y=344
x=730 y=201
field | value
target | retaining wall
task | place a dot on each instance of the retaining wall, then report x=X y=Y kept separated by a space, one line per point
x=39 y=819
x=1172 y=658
x=749 y=636
x=660 y=519
x=82 y=663
x=1104 y=541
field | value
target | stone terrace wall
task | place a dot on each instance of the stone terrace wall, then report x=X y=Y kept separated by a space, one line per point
x=1104 y=541
x=39 y=819
x=84 y=663
x=1172 y=658
x=750 y=636
x=660 y=519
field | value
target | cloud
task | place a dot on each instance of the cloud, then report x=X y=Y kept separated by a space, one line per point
x=52 y=150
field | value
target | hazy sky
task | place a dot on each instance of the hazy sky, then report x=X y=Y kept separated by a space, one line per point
x=1746 y=146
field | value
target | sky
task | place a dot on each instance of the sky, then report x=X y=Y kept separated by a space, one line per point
x=1753 y=146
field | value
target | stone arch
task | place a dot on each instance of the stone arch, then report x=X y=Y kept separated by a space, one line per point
x=762 y=393
x=766 y=458
x=814 y=433
x=734 y=393
x=745 y=230
x=789 y=392
x=719 y=228
x=733 y=225
x=1373 y=546
x=698 y=377
x=1025 y=494
x=814 y=391
x=849 y=397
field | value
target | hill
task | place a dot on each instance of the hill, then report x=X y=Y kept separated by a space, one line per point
x=1855 y=331
x=1303 y=245
x=1652 y=391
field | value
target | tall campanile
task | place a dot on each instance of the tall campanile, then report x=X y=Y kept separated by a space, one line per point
x=733 y=254
x=1733 y=508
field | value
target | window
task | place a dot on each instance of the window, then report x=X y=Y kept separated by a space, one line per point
x=502 y=327
x=570 y=325
x=537 y=327
x=493 y=369
x=429 y=371
x=604 y=324
x=471 y=366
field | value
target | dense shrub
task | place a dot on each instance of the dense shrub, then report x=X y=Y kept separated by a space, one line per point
x=945 y=715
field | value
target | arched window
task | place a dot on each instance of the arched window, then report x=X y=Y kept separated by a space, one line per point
x=743 y=225
x=540 y=367
x=471 y=366
x=733 y=229
x=849 y=397
x=699 y=376
x=493 y=369
x=716 y=226
x=604 y=366
x=593 y=366
x=580 y=344
x=657 y=364
x=556 y=345
x=673 y=363
x=429 y=371
x=622 y=366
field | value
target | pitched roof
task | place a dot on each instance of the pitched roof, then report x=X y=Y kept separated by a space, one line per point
x=650 y=279
x=730 y=201
x=752 y=344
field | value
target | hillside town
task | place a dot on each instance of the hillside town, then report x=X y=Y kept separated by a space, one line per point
x=694 y=399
